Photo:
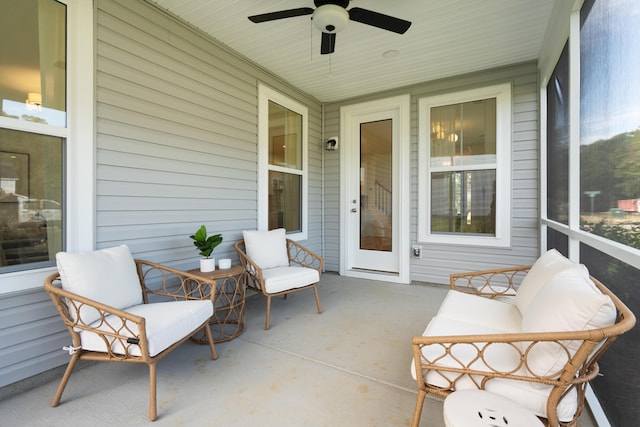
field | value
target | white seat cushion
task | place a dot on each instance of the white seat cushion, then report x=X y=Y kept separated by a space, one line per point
x=107 y=275
x=280 y=279
x=500 y=356
x=490 y=313
x=166 y=323
x=268 y=249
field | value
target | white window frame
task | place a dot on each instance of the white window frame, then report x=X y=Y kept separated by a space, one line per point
x=80 y=144
x=502 y=238
x=266 y=94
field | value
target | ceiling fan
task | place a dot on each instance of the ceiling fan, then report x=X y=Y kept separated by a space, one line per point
x=331 y=16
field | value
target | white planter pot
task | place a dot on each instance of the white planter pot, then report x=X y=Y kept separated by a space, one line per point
x=207 y=264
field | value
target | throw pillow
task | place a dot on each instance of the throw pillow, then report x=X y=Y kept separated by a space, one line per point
x=268 y=249
x=107 y=275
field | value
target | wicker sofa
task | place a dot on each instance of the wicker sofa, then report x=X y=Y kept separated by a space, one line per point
x=530 y=333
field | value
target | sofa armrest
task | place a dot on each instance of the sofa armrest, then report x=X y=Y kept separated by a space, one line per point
x=501 y=282
x=170 y=283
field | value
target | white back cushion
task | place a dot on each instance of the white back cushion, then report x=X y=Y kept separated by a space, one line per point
x=268 y=249
x=545 y=267
x=569 y=302
x=107 y=275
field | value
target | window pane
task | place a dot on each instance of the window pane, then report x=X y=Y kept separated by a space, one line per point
x=617 y=389
x=285 y=194
x=463 y=202
x=33 y=72
x=464 y=133
x=610 y=119
x=558 y=141
x=31 y=208
x=285 y=137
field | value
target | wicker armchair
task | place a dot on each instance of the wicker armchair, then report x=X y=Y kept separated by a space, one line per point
x=581 y=350
x=302 y=271
x=115 y=330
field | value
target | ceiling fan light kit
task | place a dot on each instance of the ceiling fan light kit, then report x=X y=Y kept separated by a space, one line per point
x=331 y=16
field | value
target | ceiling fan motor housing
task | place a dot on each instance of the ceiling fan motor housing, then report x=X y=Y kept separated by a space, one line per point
x=330 y=18
x=341 y=3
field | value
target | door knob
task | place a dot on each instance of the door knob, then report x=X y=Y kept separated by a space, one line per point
x=354 y=210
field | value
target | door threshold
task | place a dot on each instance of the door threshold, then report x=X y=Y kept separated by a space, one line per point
x=383 y=276
x=367 y=270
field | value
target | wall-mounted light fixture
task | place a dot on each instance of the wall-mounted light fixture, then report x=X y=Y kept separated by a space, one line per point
x=332 y=144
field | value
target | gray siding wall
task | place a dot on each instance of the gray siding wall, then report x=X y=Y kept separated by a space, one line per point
x=177 y=137
x=31 y=336
x=440 y=260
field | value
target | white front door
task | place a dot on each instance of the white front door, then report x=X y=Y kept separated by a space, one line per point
x=375 y=189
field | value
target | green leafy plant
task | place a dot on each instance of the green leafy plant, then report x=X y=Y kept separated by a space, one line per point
x=205 y=244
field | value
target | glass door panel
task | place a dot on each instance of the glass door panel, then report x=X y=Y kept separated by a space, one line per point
x=376 y=213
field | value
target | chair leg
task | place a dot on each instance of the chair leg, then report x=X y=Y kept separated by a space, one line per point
x=65 y=378
x=267 y=321
x=153 y=409
x=418 y=410
x=315 y=291
x=207 y=332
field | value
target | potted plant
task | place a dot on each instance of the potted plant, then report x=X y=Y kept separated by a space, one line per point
x=205 y=246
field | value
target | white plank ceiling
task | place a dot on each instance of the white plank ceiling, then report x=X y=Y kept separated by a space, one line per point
x=447 y=37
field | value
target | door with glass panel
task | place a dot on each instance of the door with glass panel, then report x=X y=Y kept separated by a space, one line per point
x=373 y=196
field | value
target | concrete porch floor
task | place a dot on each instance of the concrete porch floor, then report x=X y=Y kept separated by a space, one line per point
x=346 y=367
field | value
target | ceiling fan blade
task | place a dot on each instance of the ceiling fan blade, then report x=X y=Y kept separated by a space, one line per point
x=379 y=20
x=282 y=14
x=328 y=43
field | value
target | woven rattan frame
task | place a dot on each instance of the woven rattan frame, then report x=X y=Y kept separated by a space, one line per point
x=298 y=256
x=157 y=282
x=576 y=373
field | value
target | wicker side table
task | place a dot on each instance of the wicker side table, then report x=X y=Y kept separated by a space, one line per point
x=227 y=321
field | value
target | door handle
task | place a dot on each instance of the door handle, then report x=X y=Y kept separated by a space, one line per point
x=354 y=210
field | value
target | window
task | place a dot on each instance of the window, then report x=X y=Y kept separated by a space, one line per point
x=465 y=167
x=282 y=153
x=33 y=96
